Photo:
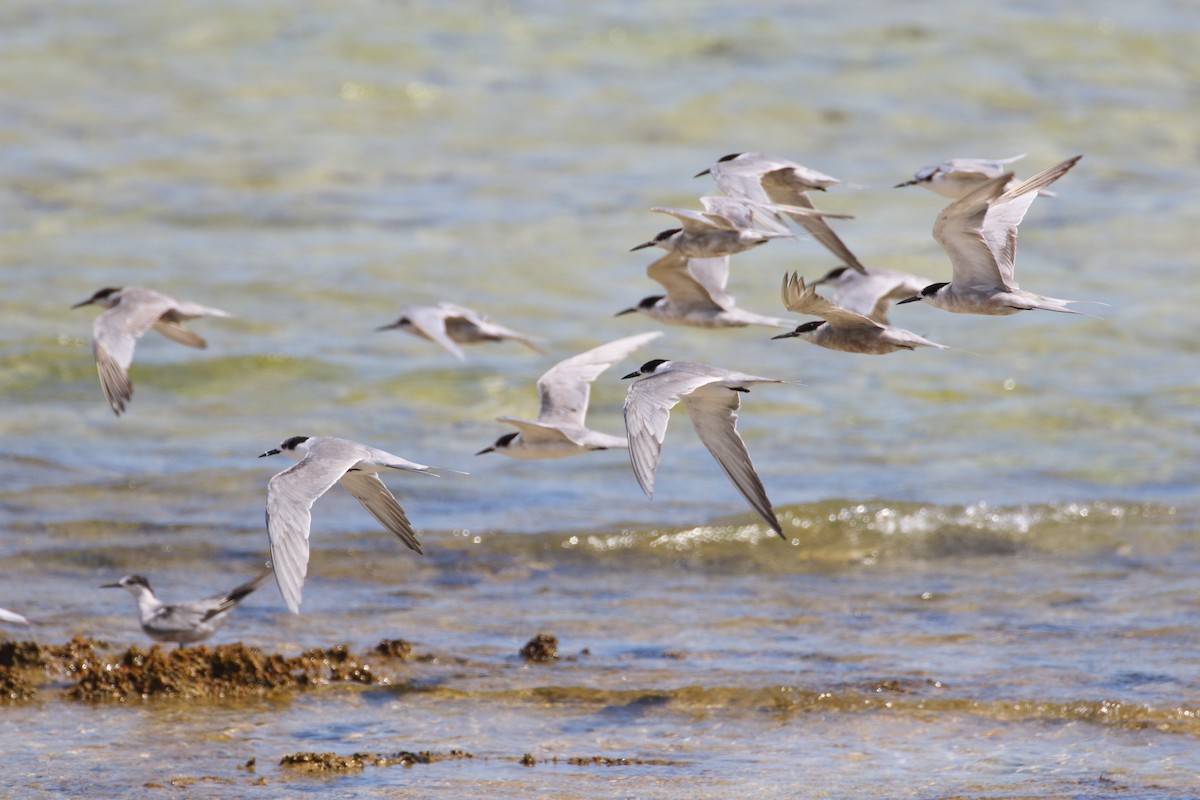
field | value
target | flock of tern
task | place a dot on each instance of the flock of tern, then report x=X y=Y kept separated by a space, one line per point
x=764 y=197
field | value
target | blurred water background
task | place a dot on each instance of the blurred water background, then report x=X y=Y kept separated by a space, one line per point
x=1006 y=531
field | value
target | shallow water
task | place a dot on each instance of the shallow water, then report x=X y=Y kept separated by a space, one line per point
x=1003 y=536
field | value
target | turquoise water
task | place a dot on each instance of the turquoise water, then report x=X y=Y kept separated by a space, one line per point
x=1007 y=529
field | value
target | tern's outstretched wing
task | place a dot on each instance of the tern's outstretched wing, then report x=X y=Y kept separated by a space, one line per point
x=566 y=387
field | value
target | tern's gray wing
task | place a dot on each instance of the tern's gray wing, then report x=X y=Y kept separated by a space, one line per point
x=816 y=227
x=370 y=491
x=431 y=322
x=114 y=335
x=801 y=300
x=182 y=618
x=566 y=387
x=713 y=411
x=871 y=294
x=647 y=410
x=694 y=283
x=1005 y=213
x=698 y=221
x=290 y=496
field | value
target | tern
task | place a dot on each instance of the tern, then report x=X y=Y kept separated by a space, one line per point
x=324 y=461
x=696 y=295
x=956 y=177
x=763 y=179
x=871 y=293
x=450 y=325
x=842 y=329
x=711 y=397
x=979 y=234
x=560 y=430
x=709 y=234
x=131 y=312
x=184 y=623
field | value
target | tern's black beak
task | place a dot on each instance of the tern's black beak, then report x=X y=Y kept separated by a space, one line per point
x=111 y=586
x=702 y=172
x=393 y=326
x=486 y=450
x=83 y=303
x=626 y=311
x=633 y=374
x=913 y=182
x=787 y=335
x=642 y=246
x=910 y=300
x=274 y=452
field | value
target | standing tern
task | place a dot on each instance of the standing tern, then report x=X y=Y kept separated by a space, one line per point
x=872 y=292
x=560 y=429
x=450 y=325
x=711 y=397
x=763 y=179
x=324 y=461
x=842 y=329
x=131 y=312
x=184 y=623
x=696 y=295
x=957 y=176
x=979 y=234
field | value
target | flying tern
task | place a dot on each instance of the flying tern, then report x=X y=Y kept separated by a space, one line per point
x=842 y=329
x=957 y=176
x=696 y=295
x=450 y=325
x=131 y=312
x=872 y=292
x=979 y=234
x=324 y=461
x=560 y=429
x=711 y=397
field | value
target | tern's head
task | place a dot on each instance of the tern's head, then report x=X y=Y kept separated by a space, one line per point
x=649 y=368
x=296 y=446
x=929 y=291
x=502 y=443
x=105 y=298
x=805 y=331
x=923 y=175
x=134 y=584
x=645 y=304
x=662 y=239
x=404 y=323
x=720 y=160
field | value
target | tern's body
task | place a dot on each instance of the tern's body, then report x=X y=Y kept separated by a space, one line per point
x=184 y=623
x=956 y=177
x=841 y=328
x=979 y=234
x=696 y=295
x=450 y=325
x=711 y=397
x=560 y=429
x=762 y=179
x=324 y=461
x=131 y=312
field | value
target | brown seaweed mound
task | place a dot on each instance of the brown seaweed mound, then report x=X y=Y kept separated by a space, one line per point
x=541 y=649
x=332 y=762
